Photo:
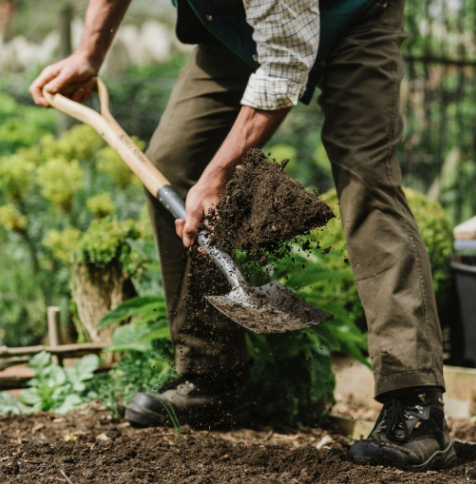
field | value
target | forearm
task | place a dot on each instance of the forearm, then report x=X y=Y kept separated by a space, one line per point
x=101 y=23
x=252 y=129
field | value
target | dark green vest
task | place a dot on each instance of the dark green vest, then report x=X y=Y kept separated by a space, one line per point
x=225 y=20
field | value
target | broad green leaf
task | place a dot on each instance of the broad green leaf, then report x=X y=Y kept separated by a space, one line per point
x=10 y=405
x=129 y=308
x=70 y=402
x=87 y=366
x=39 y=361
x=127 y=338
x=30 y=396
x=162 y=333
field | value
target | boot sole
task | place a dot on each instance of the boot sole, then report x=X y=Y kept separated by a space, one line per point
x=441 y=459
x=373 y=454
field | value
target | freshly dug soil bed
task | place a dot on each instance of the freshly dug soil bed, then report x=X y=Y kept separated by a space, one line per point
x=263 y=206
x=87 y=447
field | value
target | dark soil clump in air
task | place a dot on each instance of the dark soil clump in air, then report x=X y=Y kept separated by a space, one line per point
x=263 y=206
x=89 y=448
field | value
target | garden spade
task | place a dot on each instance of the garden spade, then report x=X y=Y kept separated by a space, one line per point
x=271 y=308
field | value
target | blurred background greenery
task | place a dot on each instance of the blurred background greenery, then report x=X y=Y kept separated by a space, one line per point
x=73 y=229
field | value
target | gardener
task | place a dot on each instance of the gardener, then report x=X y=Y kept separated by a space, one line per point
x=253 y=63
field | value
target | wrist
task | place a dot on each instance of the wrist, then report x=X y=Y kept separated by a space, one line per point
x=218 y=176
x=92 y=57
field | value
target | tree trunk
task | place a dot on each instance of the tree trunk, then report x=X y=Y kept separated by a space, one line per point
x=95 y=295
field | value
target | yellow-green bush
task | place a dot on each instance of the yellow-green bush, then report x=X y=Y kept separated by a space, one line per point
x=101 y=205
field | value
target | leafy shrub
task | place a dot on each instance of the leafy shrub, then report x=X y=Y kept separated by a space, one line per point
x=106 y=244
x=136 y=372
x=21 y=126
x=101 y=205
x=46 y=184
x=53 y=388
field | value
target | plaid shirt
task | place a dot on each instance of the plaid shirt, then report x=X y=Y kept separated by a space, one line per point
x=286 y=33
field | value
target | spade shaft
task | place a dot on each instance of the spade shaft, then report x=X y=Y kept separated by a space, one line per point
x=268 y=309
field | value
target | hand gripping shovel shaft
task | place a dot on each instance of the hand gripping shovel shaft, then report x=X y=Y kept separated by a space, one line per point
x=267 y=309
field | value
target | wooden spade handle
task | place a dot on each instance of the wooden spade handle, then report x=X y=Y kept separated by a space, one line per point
x=150 y=176
x=114 y=135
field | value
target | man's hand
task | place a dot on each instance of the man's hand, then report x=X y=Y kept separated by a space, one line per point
x=200 y=199
x=251 y=129
x=71 y=76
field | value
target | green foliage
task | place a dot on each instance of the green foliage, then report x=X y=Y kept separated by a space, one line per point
x=49 y=176
x=62 y=244
x=291 y=377
x=101 y=205
x=106 y=243
x=145 y=309
x=145 y=371
x=111 y=164
x=53 y=388
x=10 y=219
x=21 y=126
x=141 y=93
x=45 y=186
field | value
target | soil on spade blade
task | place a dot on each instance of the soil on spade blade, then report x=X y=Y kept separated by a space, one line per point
x=263 y=206
x=87 y=447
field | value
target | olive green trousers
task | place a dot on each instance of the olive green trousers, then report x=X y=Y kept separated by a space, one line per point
x=360 y=100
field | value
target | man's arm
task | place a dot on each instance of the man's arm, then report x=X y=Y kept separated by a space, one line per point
x=252 y=128
x=101 y=23
x=286 y=33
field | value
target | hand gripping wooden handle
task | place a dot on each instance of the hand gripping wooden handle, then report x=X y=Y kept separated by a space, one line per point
x=117 y=138
x=150 y=176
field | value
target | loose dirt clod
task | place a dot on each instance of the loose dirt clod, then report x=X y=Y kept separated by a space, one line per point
x=263 y=206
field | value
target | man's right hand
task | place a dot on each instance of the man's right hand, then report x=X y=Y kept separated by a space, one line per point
x=71 y=76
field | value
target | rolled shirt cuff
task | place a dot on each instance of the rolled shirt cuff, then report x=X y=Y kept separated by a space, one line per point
x=269 y=93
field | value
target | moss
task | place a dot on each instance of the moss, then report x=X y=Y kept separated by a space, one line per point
x=106 y=244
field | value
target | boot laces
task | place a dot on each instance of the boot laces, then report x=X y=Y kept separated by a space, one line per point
x=393 y=417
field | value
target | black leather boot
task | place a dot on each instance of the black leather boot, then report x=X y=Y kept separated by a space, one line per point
x=410 y=430
x=197 y=400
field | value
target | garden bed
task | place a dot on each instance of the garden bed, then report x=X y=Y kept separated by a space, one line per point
x=88 y=447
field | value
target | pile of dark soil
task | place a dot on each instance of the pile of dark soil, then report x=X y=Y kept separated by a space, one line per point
x=90 y=448
x=263 y=206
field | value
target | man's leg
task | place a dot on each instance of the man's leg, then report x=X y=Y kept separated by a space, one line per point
x=201 y=110
x=210 y=350
x=362 y=128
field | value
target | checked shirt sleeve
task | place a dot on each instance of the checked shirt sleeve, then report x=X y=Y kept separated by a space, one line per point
x=286 y=33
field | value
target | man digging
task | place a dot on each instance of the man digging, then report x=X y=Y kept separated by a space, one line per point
x=254 y=61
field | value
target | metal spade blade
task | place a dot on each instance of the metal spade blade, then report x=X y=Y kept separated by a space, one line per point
x=268 y=309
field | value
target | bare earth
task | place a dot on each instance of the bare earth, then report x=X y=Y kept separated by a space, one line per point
x=87 y=447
